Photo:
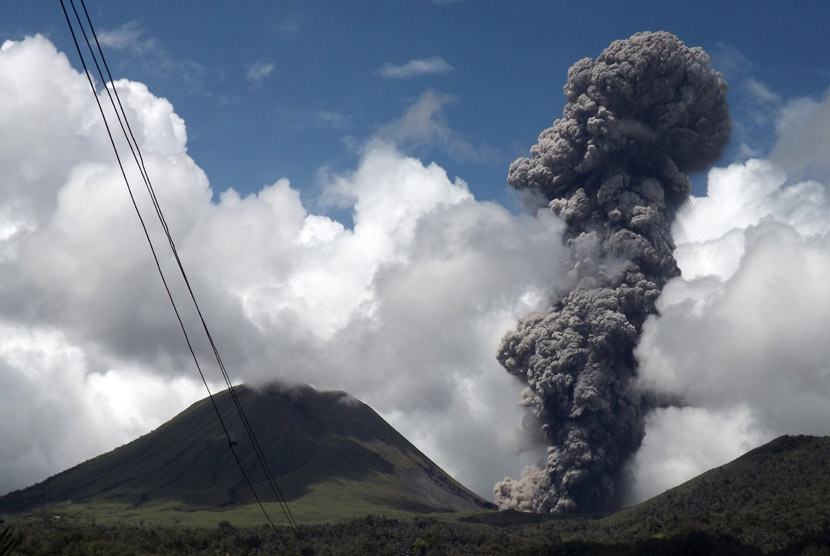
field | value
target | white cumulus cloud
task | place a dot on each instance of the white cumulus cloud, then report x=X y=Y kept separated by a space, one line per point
x=741 y=336
x=404 y=308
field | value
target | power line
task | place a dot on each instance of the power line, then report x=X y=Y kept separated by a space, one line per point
x=127 y=132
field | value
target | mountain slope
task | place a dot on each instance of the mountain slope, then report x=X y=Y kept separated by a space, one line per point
x=769 y=497
x=773 y=497
x=320 y=446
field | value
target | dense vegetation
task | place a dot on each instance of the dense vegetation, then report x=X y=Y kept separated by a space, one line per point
x=770 y=497
x=8 y=540
x=376 y=535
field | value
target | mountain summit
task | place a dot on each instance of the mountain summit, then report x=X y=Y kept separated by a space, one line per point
x=325 y=449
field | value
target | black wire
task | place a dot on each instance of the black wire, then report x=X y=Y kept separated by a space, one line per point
x=128 y=134
x=135 y=150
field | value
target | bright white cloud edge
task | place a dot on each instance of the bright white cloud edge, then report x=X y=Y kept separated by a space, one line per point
x=741 y=334
x=291 y=295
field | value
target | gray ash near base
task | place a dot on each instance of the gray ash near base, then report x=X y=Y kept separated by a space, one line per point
x=644 y=112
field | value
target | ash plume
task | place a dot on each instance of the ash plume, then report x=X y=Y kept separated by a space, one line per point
x=644 y=112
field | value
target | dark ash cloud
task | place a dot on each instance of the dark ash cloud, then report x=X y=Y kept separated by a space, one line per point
x=646 y=111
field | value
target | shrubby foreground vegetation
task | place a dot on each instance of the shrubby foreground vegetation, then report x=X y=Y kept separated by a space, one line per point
x=378 y=535
x=774 y=500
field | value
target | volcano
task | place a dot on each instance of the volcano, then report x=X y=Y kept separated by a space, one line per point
x=330 y=454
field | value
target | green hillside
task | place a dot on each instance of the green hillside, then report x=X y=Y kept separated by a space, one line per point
x=333 y=457
x=769 y=497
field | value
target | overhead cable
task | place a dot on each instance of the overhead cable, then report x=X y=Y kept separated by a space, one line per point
x=115 y=101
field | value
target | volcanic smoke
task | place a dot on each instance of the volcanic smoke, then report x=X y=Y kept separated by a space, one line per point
x=644 y=112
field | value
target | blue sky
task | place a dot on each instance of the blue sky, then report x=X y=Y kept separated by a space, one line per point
x=282 y=89
x=315 y=202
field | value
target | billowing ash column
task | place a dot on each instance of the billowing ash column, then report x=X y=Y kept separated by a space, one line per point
x=644 y=112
